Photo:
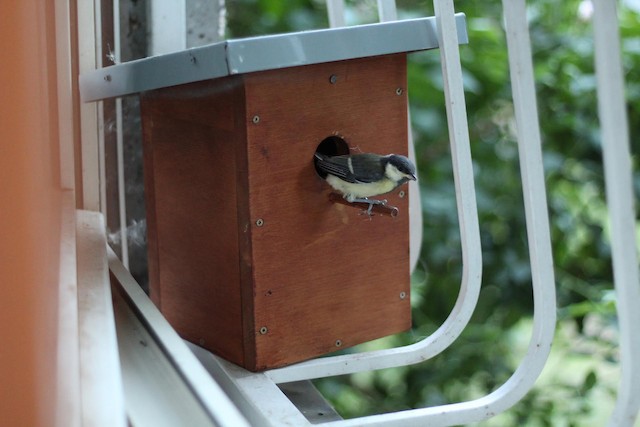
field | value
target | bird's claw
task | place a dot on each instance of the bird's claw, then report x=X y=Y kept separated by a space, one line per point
x=386 y=209
x=372 y=203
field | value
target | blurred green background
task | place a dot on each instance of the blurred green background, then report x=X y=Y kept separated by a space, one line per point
x=578 y=385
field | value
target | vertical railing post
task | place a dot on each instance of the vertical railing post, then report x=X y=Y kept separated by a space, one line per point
x=122 y=200
x=620 y=200
x=335 y=11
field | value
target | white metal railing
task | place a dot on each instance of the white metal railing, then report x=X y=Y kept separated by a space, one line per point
x=387 y=11
x=469 y=231
x=539 y=241
x=620 y=200
x=122 y=200
x=258 y=395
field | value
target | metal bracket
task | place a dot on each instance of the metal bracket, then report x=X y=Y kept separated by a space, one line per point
x=263 y=53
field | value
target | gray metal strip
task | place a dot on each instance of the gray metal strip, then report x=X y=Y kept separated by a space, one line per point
x=192 y=65
x=263 y=53
x=313 y=47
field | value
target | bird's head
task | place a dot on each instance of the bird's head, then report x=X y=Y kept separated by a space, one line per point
x=399 y=168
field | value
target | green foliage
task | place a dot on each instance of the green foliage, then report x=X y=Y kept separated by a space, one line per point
x=492 y=345
x=259 y=17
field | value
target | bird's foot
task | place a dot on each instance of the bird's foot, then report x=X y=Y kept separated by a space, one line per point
x=371 y=203
x=383 y=207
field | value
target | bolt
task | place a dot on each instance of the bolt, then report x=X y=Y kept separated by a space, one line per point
x=260 y=222
x=338 y=343
x=263 y=330
x=107 y=78
x=192 y=59
x=255 y=120
x=401 y=193
x=333 y=79
x=399 y=91
x=403 y=295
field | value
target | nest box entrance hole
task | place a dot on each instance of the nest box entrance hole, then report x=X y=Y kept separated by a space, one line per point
x=331 y=146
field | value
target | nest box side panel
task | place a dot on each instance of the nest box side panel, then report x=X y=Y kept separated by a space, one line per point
x=191 y=133
x=325 y=276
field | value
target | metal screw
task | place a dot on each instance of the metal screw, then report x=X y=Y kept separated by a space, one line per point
x=333 y=79
x=263 y=330
x=403 y=295
x=260 y=222
x=107 y=78
x=401 y=193
x=399 y=91
x=256 y=119
x=192 y=59
x=338 y=343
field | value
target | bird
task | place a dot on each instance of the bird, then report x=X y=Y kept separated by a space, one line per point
x=361 y=176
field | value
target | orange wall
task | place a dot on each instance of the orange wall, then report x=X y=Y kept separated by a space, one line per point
x=29 y=213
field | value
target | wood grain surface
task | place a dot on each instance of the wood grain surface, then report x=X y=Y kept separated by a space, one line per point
x=324 y=273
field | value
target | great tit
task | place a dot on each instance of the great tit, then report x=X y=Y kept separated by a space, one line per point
x=360 y=176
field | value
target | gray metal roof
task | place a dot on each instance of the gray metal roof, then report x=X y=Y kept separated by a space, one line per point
x=263 y=53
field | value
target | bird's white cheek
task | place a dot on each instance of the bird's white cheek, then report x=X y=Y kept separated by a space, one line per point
x=393 y=173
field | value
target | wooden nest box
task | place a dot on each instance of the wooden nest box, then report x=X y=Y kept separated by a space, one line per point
x=249 y=255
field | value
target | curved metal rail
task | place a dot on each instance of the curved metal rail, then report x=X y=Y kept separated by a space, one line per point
x=620 y=198
x=539 y=243
x=469 y=231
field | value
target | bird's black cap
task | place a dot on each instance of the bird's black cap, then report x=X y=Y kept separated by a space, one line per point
x=403 y=164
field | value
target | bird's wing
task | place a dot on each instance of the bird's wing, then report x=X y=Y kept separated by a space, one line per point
x=337 y=166
x=354 y=168
x=367 y=167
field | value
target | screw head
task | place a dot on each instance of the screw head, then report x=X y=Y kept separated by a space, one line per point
x=399 y=91
x=259 y=222
x=256 y=119
x=107 y=78
x=263 y=330
x=403 y=295
x=402 y=193
x=333 y=79
x=338 y=343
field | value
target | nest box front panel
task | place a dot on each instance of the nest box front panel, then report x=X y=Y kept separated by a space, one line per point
x=324 y=276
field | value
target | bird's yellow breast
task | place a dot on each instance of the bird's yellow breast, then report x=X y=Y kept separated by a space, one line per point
x=352 y=191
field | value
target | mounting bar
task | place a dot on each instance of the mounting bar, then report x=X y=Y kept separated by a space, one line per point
x=263 y=53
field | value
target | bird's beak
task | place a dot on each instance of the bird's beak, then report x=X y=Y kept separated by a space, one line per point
x=413 y=177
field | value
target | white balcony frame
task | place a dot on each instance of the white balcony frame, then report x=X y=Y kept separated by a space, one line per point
x=469 y=232
x=539 y=244
x=620 y=200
